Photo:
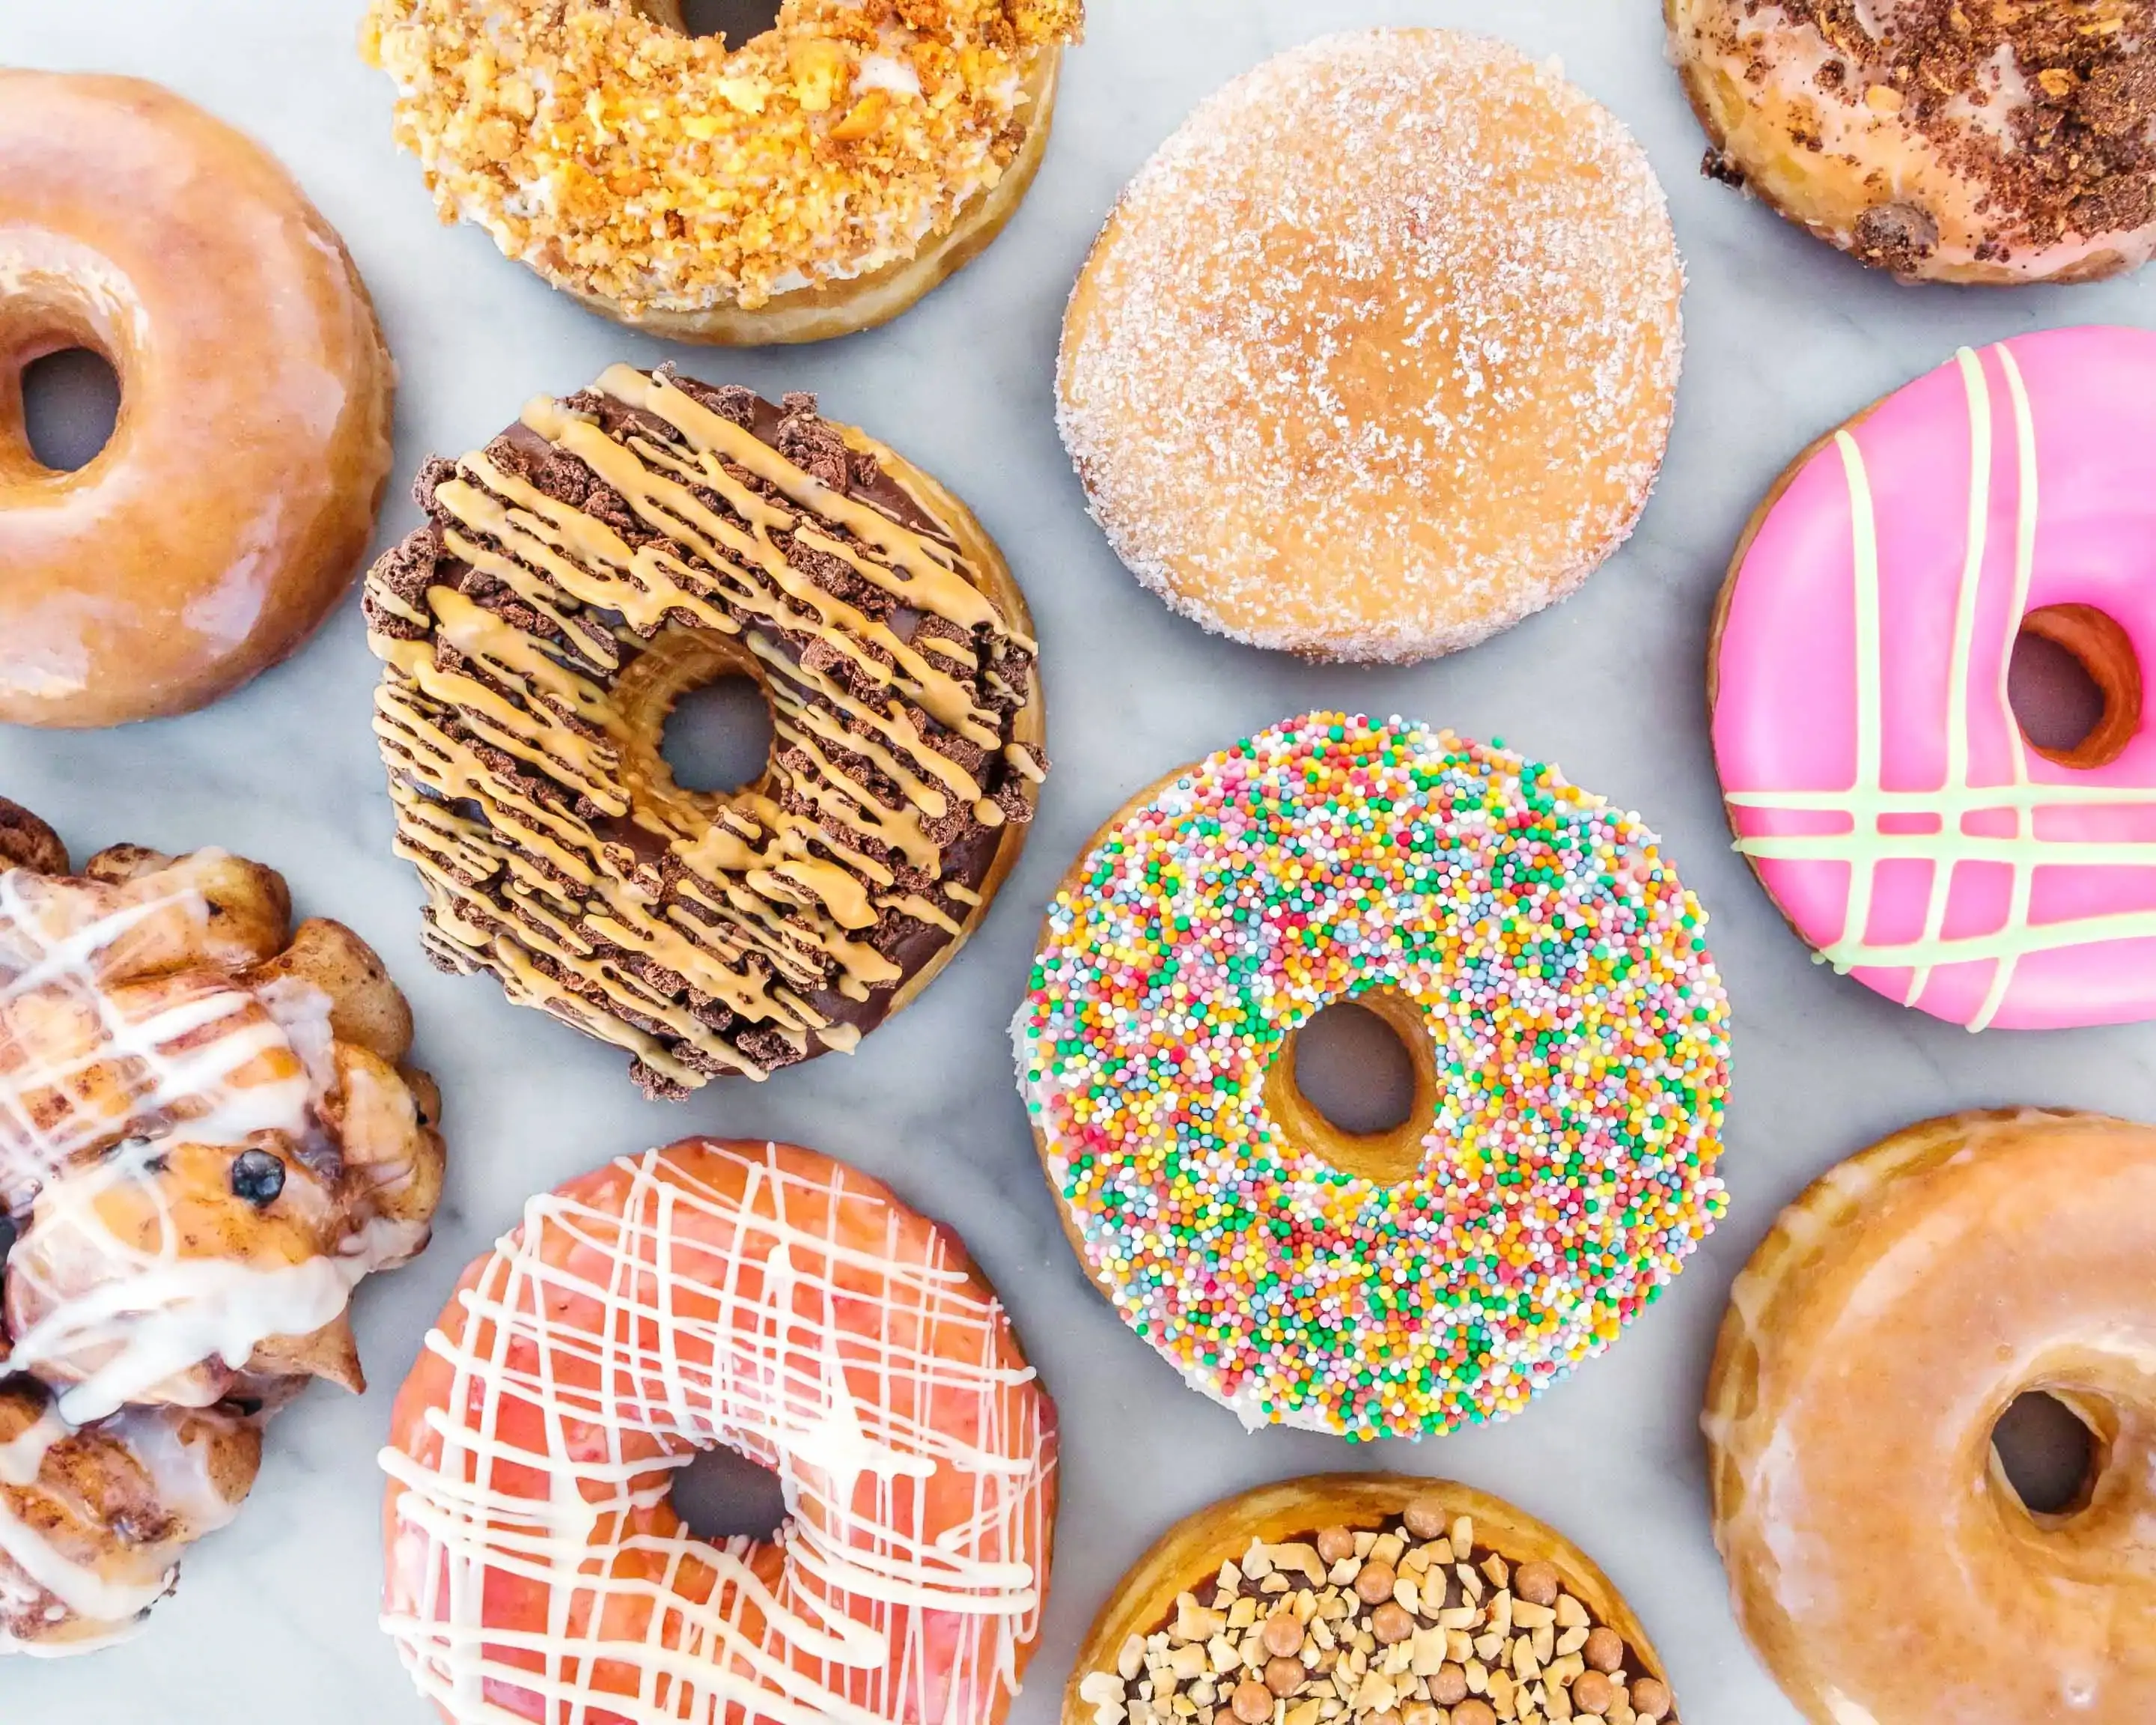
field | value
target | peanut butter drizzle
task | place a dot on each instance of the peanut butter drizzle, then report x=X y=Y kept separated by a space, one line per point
x=766 y=897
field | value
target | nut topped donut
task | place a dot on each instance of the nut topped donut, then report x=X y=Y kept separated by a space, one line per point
x=231 y=507
x=1359 y=1599
x=1378 y=354
x=208 y=1138
x=815 y=179
x=1548 y=976
x=1983 y=142
x=603 y=557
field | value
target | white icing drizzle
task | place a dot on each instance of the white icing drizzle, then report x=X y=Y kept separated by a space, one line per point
x=197 y=1061
x=801 y=1323
x=1867 y=846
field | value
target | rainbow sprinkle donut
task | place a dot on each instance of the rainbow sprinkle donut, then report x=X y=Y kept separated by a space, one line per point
x=1570 y=1035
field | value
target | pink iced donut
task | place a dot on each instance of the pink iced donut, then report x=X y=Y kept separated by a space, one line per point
x=1874 y=772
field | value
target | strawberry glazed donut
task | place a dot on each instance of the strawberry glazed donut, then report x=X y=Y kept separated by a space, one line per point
x=230 y=510
x=1874 y=771
x=764 y=1299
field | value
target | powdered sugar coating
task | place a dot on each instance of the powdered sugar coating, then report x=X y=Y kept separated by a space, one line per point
x=1378 y=354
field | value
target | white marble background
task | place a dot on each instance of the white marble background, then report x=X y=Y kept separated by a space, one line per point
x=276 y=1619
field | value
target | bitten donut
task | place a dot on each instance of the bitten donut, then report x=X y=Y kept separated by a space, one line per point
x=603 y=557
x=1549 y=977
x=208 y=1138
x=1981 y=142
x=1366 y=1600
x=816 y=179
x=1874 y=771
x=1879 y=1559
x=762 y=1299
x=231 y=507
x=1378 y=354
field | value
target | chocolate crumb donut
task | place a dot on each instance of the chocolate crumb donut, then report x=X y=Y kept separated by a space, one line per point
x=1978 y=143
x=600 y=559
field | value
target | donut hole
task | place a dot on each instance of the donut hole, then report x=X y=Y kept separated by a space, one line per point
x=2075 y=685
x=2047 y=1455
x=736 y=20
x=1357 y=1083
x=722 y=1496
x=718 y=737
x=70 y=407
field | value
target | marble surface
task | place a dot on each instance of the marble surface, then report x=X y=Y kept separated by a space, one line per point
x=277 y=1615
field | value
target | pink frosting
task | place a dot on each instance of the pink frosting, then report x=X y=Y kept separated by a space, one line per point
x=1956 y=870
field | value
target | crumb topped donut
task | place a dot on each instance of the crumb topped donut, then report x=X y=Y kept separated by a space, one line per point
x=603 y=557
x=1548 y=976
x=1378 y=354
x=815 y=179
x=209 y=1137
x=1978 y=142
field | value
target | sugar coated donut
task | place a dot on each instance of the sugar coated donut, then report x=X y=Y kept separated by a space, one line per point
x=1880 y=1560
x=1985 y=143
x=1874 y=771
x=207 y=1139
x=1550 y=978
x=232 y=504
x=816 y=179
x=1377 y=355
x=603 y=557
x=754 y=1297
x=1341 y=1563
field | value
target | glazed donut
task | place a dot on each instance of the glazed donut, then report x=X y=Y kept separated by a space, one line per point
x=1874 y=772
x=600 y=559
x=1305 y=1581
x=1549 y=977
x=208 y=1138
x=763 y=1299
x=233 y=503
x=818 y=179
x=1879 y=1560
x=1378 y=353
x=1989 y=144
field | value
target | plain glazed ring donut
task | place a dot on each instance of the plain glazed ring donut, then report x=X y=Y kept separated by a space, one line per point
x=818 y=179
x=234 y=503
x=1880 y=1562
x=209 y=1137
x=1548 y=976
x=754 y=1297
x=1989 y=143
x=1253 y=1610
x=1874 y=771
x=1378 y=354
x=600 y=559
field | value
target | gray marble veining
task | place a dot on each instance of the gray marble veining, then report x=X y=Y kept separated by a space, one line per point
x=276 y=1617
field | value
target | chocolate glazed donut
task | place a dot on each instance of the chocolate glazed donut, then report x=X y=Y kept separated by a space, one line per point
x=597 y=561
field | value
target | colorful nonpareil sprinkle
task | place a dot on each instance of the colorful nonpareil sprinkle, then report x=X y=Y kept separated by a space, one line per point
x=1581 y=1038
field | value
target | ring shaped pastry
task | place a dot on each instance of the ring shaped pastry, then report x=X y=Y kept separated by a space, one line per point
x=600 y=559
x=1985 y=144
x=1378 y=353
x=1874 y=771
x=818 y=179
x=1376 y=1555
x=1896 y=1311
x=762 y=1299
x=209 y=1137
x=234 y=503
x=1549 y=976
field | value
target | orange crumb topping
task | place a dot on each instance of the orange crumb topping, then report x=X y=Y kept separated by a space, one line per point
x=622 y=159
